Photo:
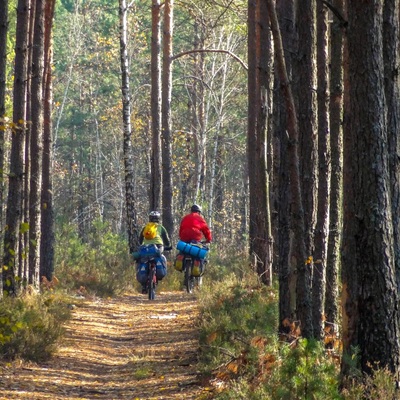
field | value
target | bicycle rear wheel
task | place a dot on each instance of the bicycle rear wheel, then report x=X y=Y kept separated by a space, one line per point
x=151 y=283
x=188 y=282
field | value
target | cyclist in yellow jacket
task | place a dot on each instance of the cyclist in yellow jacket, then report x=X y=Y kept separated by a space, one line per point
x=155 y=233
x=161 y=238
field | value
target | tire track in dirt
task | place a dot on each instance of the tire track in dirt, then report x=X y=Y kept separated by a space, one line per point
x=122 y=348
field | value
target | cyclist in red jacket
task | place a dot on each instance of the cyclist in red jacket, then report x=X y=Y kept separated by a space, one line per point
x=193 y=226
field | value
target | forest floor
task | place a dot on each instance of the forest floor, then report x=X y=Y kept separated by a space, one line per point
x=122 y=348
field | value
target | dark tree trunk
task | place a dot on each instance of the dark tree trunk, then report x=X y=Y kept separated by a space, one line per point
x=308 y=141
x=391 y=65
x=23 y=261
x=296 y=204
x=336 y=144
x=287 y=283
x=47 y=223
x=15 y=187
x=263 y=243
x=375 y=313
x=324 y=163
x=36 y=144
x=3 y=83
x=253 y=105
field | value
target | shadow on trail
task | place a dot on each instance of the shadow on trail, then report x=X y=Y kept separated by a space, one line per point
x=124 y=348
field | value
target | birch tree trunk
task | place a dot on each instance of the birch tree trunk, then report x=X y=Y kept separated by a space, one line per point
x=166 y=136
x=156 y=177
x=132 y=227
x=199 y=117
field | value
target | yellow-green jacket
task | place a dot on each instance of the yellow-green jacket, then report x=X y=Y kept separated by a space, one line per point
x=161 y=238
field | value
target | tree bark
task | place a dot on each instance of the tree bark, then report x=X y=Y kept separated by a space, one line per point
x=36 y=144
x=298 y=251
x=15 y=187
x=375 y=312
x=308 y=142
x=391 y=80
x=199 y=122
x=3 y=83
x=156 y=176
x=336 y=145
x=284 y=234
x=253 y=106
x=261 y=243
x=324 y=165
x=132 y=226
x=47 y=222
x=166 y=136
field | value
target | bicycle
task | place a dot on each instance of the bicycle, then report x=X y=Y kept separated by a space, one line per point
x=151 y=279
x=193 y=268
x=151 y=269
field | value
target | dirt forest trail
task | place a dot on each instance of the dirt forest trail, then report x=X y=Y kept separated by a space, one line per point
x=122 y=348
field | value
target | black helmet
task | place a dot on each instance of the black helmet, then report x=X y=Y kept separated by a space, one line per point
x=196 y=208
x=154 y=216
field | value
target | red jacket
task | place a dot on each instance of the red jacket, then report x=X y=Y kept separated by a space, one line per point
x=193 y=227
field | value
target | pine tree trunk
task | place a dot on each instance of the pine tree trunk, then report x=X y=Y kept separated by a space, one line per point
x=36 y=146
x=3 y=83
x=259 y=189
x=298 y=249
x=283 y=242
x=375 y=313
x=336 y=192
x=47 y=223
x=391 y=63
x=15 y=187
x=324 y=163
x=308 y=142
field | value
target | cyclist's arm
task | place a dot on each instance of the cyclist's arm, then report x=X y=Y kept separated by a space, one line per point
x=207 y=233
x=165 y=237
x=141 y=237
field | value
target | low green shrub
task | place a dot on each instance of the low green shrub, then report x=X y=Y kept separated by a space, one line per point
x=240 y=347
x=102 y=265
x=233 y=313
x=31 y=325
x=379 y=384
x=305 y=372
x=243 y=357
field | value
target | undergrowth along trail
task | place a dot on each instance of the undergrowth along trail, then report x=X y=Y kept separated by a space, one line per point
x=122 y=348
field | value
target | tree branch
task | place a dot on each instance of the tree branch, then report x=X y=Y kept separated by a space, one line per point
x=336 y=12
x=184 y=53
